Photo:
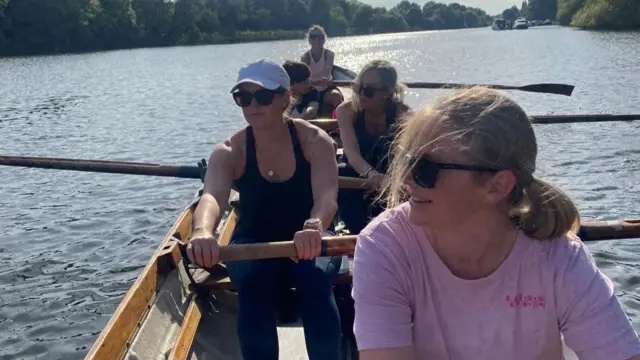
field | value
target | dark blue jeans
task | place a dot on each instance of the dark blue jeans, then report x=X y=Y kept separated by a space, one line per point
x=259 y=282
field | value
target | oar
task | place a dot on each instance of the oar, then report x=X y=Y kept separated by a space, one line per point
x=547 y=88
x=134 y=168
x=330 y=124
x=331 y=246
x=345 y=245
x=579 y=118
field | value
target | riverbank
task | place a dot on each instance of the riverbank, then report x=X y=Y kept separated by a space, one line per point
x=600 y=14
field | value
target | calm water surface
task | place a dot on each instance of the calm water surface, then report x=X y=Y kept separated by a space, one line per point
x=74 y=242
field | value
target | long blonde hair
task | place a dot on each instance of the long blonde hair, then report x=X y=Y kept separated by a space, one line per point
x=493 y=131
x=388 y=79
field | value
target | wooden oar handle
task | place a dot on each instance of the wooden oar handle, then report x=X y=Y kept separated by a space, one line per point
x=331 y=246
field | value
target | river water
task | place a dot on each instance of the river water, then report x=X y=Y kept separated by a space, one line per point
x=74 y=242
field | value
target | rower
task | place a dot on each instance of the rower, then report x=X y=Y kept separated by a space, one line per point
x=286 y=173
x=320 y=62
x=477 y=258
x=305 y=99
x=367 y=124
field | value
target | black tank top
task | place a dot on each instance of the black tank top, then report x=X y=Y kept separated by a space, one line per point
x=273 y=211
x=375 y=149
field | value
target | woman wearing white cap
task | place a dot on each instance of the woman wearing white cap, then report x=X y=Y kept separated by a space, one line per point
x=287 y=176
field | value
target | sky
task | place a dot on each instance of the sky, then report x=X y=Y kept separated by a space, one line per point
x=492 y=7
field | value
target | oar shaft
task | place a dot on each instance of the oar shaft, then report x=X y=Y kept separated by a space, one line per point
x=121 y=167
x=545 y=88
x=614 y=229
x=331 y=124
x=565 y=119
x=345 y=245
x=104 y=166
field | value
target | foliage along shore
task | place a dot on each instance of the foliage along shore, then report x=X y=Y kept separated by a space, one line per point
x=32 y=27
x=584 y=14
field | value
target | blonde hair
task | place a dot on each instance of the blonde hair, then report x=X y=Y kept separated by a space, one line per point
x=388 y=79
x=316 y=28
x=492 y=131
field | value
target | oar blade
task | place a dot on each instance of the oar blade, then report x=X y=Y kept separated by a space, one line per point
x=559 y=89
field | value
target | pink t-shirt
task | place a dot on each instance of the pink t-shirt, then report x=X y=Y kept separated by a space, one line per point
x=406 y=296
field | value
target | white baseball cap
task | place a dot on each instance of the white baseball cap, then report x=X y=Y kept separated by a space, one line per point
x=265 y=73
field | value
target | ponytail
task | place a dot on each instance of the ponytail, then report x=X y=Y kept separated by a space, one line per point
x=544 y=211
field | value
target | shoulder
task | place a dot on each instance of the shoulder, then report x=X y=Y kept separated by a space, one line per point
x=387 y=245
x=389 y=233
x=565 y=258
x=345 y=110
x=311 y=134
x=229 y=151
x=305 y=57
x=561 y=250
x=330 y=54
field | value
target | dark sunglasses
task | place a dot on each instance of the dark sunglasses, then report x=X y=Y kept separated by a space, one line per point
x=316 y=37
x=425 y=172
x=370 y=91
x=264 y=97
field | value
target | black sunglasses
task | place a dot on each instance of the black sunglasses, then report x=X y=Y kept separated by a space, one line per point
x=316 y=37
x=425 y=172
x=370 y=91
x=263 y=97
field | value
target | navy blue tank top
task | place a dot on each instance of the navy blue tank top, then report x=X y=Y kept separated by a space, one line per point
x=273 y=211
x=375 y=149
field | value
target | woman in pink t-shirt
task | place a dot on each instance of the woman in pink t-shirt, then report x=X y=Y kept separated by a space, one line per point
x=476 y=258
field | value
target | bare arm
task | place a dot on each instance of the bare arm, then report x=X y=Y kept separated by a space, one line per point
x=324 y=173
x=404 y=353
x=346 y=122
x=331 y=56
x=310 y=111
x=217 y=187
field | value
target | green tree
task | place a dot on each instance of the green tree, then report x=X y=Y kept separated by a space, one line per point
x=56 y=26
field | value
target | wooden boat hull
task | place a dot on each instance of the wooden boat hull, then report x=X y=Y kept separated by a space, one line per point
x=160 y=317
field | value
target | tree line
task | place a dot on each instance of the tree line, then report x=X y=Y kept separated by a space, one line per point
x=588 y=14
x=62 y=26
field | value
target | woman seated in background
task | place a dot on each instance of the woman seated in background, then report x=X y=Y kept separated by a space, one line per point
x=268 y=161
x=476 y=258
x=305 y=100
x=320 y=62
x=367 y=124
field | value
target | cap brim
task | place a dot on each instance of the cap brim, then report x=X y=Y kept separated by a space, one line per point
x=267 y=84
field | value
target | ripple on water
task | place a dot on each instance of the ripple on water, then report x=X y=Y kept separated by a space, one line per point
x=74 y=242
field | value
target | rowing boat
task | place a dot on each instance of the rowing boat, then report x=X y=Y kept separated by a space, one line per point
x=161 y=316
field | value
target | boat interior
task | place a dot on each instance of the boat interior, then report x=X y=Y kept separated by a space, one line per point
x=164 y=317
